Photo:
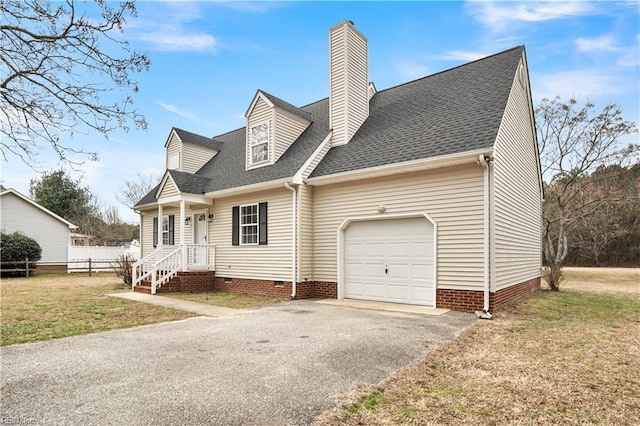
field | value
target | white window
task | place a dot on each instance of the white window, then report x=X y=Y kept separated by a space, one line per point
x=249 y=224
x=165 y=230
x=174 y=161
x=259 y=142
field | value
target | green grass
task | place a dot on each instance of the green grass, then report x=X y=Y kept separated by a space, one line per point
x=52 y=306
x=227 y=300
x=568 y=357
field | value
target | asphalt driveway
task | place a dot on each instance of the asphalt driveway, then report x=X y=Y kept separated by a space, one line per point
x=283 y=364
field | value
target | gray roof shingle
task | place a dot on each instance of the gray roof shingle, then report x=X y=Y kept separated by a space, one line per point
x=451 y=112
x=196 y=139
x=279 y=103
x=454 y=111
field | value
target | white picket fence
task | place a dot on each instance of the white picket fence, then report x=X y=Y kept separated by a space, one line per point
x=102 y=258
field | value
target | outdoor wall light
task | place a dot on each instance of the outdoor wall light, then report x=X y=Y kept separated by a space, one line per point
x=187 y=220
x=211 y=216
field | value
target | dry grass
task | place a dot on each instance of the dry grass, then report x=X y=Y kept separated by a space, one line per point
x=228 y=300
x=51 y=306
x=568 y=357
x=625 y=280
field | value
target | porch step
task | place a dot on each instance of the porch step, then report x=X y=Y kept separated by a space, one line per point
x=143 y=289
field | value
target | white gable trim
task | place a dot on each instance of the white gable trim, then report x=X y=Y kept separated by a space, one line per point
x=259 y=95
x=171 y=133
x=188 y=198
x=316 y=157
x=33 y=203
x=163 y=182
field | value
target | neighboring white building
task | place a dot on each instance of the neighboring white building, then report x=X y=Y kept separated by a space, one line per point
x=52 y=232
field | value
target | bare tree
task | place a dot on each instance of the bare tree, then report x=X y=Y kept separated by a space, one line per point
x=573 y=141
x=134 y=190
x=61 y=71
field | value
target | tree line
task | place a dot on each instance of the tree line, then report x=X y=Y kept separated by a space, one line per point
x=610 y=234
x=67 y=198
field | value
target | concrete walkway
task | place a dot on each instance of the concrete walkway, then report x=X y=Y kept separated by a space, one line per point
x=183 y=305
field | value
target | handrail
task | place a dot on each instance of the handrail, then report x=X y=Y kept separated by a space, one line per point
x=160 y=267
x=135 y=278
x=165 y=269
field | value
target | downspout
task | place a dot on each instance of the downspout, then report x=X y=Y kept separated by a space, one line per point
x=294 y=240
x=485 y=160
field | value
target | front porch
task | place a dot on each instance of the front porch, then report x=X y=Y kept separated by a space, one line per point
x=187 y=267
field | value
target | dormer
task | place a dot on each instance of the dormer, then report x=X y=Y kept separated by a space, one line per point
x=188 y=152
x=272 y=126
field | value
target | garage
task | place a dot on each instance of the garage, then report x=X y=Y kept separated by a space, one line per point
x=390 y=260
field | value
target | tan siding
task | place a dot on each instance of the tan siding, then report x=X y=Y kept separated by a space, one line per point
x=147 y=228
x=517 y=207
x=451 y=196
x=268 y=262
x=174 y=147
x=286 y=130
x=261 y=113
x=169 y=189
x=305 y=232
x=146 y=237
x=349 y=84
x=194 y=157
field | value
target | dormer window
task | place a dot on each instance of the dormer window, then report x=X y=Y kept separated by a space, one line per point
x=259 y=143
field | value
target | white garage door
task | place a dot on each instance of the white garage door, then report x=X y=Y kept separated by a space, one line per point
x=390 y=261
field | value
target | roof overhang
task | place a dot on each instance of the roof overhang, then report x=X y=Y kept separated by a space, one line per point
x=404 y=167
x=262 y=186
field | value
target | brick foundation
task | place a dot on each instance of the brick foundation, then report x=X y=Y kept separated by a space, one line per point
x=458 y=300
x=304 y=290
x=196 y=282
x=469 y=301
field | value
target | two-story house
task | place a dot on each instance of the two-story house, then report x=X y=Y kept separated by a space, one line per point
x=426 y=193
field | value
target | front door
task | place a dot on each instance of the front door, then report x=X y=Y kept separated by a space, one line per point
x=200 y=231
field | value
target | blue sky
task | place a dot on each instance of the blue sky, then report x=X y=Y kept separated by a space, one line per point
x=209 y=58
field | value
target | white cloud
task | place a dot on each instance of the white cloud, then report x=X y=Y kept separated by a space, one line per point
x=582 y=84
x=500 y=15
x=462 y=55
x=179 y=111
x=177 y=42
x=605 y=43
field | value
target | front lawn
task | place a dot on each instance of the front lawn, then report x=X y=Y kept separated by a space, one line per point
x=568 y=357
x=51 y=306
x=228 y=300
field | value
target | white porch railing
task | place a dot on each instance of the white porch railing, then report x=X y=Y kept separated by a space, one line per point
x=163 y=264
x=200 y=256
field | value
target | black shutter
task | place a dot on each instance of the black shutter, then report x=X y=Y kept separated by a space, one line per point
x=155 y=231
x=171 y=222
x=262 y=229
x=235 y=226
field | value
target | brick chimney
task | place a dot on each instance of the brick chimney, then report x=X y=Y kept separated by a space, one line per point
x=348 y=81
